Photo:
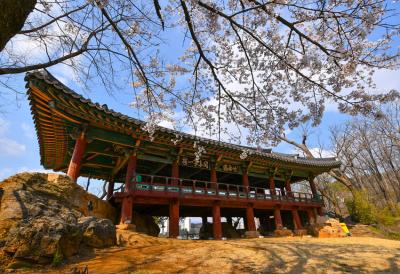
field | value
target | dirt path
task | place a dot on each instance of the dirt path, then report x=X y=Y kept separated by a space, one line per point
x=268 y=255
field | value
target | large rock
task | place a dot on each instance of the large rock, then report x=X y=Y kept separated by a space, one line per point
x=43 y=240
x=228 y=231
x=141 y=223
x=283 y=233
x=39 y=217
x=145 y=224
x=251 y=234
x=326 y=228
x=97 y=232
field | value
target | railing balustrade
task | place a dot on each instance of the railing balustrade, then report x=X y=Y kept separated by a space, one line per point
x=144 y=182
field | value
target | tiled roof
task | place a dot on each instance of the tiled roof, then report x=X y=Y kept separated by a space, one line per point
x=326 y=163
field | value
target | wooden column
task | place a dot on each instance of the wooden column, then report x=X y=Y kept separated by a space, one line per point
x=288 y=187
x=126 y=210
x=278 y=218
x=77 y=155
x=217 y=228
x=110 y=189
x=174 y=219
x=245 y=178
x=296 y=218
x=213 y=177
x=313 y=187
x=251 y=224
x=213 y=174
x=272 y=185
x=127 y=202
x=130 y=170
x=175 y=172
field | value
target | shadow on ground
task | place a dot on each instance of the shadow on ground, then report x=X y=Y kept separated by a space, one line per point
x=268 y=255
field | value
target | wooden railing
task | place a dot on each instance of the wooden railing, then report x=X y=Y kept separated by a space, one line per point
x=154 y=183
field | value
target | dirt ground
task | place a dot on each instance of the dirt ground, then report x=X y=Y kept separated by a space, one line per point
x=147 y=254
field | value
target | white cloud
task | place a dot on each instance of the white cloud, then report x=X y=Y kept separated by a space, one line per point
x=64 y=73
x=25 y=47
x=167 y=124
x=28 y=130
x=320 y=153
x=11 y=147
x=8 y=146
x=386 y=80
x=3 y=127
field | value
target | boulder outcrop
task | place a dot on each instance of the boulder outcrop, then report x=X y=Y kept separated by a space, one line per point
x=141 y=223
x=228 y=231
x=97 y=232
x=42 y=219
x=326 y=228
x=145 y=224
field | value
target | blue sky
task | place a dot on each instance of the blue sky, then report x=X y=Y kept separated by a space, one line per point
x=18 y=143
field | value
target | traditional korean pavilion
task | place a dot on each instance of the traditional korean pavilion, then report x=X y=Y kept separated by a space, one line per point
x=161 y=177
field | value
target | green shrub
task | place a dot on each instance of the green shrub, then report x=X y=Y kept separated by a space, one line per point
x=58 y=257
x=360 y=209
x=385 y=216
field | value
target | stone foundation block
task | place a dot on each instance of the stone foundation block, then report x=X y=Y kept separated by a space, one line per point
x=252 y=234
x=300 y=232
x=130 y=227
x=283 y=233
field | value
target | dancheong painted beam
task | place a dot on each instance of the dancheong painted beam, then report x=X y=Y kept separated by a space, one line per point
x=83 y=138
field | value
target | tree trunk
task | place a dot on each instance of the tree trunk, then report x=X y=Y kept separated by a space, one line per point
x=13 y=14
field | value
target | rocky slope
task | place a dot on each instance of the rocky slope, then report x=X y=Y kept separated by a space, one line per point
x=43 y=219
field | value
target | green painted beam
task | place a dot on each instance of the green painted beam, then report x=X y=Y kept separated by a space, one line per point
x=111 y=137
x=154 y=158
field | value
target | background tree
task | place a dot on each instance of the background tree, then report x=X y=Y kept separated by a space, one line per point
x=370 y=152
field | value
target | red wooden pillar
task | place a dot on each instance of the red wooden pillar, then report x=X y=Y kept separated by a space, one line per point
x=126 y=210
x=245 y=178
x=110 y=189
x=296 y=218
x=127 y=202
x=278 y=218
x=130 y=170
x=174 y=219
x=251 y=224
x=77 y=155
x=175 y=172
x=288 y=188
x=272 y=185
x=213 y=174
x=217 y=228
